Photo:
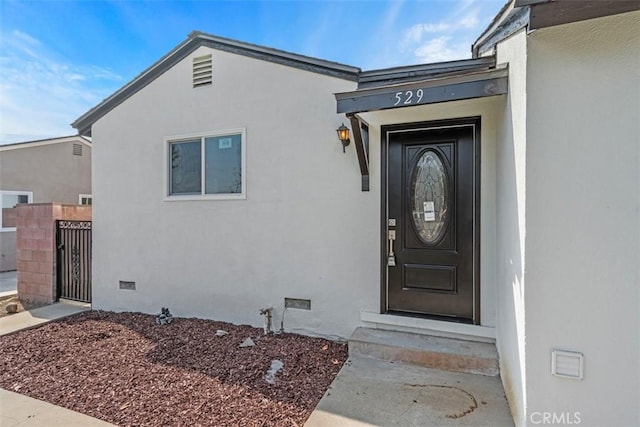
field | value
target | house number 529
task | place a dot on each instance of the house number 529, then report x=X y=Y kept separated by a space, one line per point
x=409 y=97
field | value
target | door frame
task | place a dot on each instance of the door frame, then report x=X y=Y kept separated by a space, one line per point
x=385 y=130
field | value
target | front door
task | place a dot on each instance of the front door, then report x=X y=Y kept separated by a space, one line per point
x=431 y=246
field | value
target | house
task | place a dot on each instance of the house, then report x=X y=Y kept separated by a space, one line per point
x=495 y=198
x=47 y=170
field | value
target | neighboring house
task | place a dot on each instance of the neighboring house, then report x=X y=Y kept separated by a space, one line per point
x=495 y=198
x=48 y=170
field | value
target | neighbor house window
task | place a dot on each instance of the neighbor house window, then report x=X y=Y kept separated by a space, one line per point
x=85 y=199
x=207 y=166
x=9 y=200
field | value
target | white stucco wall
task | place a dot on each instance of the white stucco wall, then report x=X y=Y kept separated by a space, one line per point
x=487 y=109
x=583 y=218
x=306 y=230
x=511 y=181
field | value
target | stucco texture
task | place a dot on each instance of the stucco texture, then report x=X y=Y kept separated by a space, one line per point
x=305 y=230
x=511 y=167
x=582 y=209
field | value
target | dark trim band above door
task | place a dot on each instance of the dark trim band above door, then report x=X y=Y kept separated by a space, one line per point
x=406 y=131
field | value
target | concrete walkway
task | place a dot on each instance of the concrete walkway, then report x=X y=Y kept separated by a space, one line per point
x=369 y=392
x=19 y=410
x=38 y=316
x=8 y=283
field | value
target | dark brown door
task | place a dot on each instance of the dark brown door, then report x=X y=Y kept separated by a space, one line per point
x=431 y=222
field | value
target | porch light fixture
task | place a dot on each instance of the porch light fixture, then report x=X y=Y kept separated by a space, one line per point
x=343 y=136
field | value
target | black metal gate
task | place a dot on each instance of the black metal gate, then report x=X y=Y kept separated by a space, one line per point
x=73 y=240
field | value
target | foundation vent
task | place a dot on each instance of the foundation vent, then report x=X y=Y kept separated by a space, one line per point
x=77 y=149
x=202 y=70
x=301 y=304
x=567 y=364
x=129 y=286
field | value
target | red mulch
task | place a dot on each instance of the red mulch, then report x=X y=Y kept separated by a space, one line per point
x=125 y=369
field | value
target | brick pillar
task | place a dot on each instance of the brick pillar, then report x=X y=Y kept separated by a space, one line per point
x=36 y=247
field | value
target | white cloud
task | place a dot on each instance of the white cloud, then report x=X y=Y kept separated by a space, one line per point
x=392 y=15
x=446 y=40
x=470 y=20
x=25 y=37
x=416 y=33
x=441 y=49
x=465 y=4
x=41 y=94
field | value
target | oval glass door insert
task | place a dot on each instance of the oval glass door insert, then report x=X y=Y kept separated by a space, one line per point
x=430 y=197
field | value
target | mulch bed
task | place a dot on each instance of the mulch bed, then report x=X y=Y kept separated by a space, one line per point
x=125 y=369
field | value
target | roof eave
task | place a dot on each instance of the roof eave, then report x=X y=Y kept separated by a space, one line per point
x=551 y=13
x=395 y=75
x=473 y=84
x=508 y=21
x=83 y=123
x=45 y=141
x=535 y=14
x=195 y=40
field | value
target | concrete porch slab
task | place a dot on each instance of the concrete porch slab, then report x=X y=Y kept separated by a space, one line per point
x=424 y=350
x=369 y=392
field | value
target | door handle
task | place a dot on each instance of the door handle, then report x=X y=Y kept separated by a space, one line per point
x=392 y=256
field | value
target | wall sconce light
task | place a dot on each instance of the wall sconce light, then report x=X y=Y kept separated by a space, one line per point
x=343 y=136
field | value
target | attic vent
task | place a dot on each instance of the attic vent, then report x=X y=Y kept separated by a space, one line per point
x=77 y=149
x=202 y=70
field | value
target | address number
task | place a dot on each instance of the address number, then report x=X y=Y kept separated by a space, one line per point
x=409 y=97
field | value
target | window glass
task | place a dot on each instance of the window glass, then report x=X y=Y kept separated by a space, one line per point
x=430 y=201
x=186 y=170
x=210 y=166
x=223 y=164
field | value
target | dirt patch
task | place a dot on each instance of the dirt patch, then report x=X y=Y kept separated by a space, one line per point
x=125 y=369
x=23 y=305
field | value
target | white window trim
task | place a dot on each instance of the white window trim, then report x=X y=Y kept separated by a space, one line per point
x=12 y=193
x=167 y=197
x=84 y=196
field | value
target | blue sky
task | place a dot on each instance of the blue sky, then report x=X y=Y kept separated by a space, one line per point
x=60 y=58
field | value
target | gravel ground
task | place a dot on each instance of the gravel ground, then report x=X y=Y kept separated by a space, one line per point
x=125 y=369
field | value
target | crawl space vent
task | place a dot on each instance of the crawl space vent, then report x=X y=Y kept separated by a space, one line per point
x=567 y=364
x=77 y=149
x=130 y=286
x=202 y=70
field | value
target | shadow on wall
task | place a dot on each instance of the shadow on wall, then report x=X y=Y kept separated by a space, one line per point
x=510 y=267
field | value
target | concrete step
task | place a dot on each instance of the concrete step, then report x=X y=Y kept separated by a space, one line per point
x=424 y=350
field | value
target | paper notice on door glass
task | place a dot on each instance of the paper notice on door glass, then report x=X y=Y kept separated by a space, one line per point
x=429 y=211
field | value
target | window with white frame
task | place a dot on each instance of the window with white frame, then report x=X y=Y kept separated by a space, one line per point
x=85 y=199
x=8 y=201
x=209 y=166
